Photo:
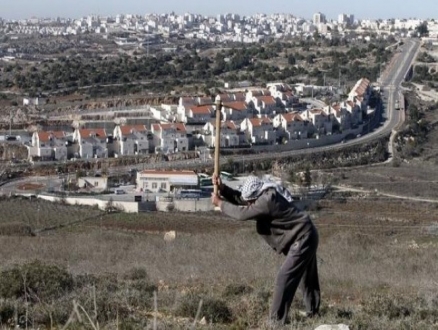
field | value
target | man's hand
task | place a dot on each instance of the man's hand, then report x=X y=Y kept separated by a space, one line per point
x=216 y=179
x=216 y=200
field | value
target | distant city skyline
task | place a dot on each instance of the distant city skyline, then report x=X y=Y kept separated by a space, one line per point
x=374 y=9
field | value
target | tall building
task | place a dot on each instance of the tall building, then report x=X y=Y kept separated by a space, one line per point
x=318 y=18
x=347 y=19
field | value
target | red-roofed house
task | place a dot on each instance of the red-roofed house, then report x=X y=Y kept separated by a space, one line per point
x=91 y=143
x=183 y=105
x=264 y=105
x=130 y=140
x=49 y=145
x=256 y=92
x=354 y=108
x=170 y=137
x=259 y=130
x=321 y=122
x=360 y=93
x=229 y=134
x=291 y=126
x=235 y=110
x=226 y=97
x=203 y=100
x=199 y=114
x=238 y=97
x=340 y=117
x=278 y=87
x=287 y=98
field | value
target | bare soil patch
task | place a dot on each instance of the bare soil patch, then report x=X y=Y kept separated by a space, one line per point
x=30 y=186
x=416 y=178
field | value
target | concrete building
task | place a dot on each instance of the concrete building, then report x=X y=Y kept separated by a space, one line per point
x=131 y=140
x=170 y=137
x=166 y=181
x=93 y=183
x=91 y=143
x=318 y=18
x=48 y=145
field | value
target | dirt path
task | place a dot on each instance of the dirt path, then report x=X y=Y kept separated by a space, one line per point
x=360 y=190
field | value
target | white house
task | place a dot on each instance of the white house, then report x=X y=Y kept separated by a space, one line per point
x=229 y=136
x=166 y=181
x=199 y=114
x=163 y=113
x=287 y=98
x=291 y=126
x=183 y=103
x=264 y=105
x=256 y=92
x=226 y=97
x=355 y=109
x=259 y=130
x=239 y=96
x=91 y=143
x=34 y=101
x=339 y=116
x=235 y=110
x=361 y=93
x=170 y=137
x=320 y=121
x=48 y=145
x=130 y=140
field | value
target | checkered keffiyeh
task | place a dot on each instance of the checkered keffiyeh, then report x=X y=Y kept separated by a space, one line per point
x=253 y=187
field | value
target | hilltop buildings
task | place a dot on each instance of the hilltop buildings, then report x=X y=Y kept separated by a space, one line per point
x=264 y=116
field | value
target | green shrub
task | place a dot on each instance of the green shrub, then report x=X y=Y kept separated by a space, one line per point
x=52 y=315
x=12 y=314
x=385 y=305
x=15 y=229
x=236 y=290
x=7 y=311
x=214 y=310
x=253 y=309
x=137 y=273
x=40 y=281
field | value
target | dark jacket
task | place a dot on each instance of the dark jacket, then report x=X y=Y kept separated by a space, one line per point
x=279 y=222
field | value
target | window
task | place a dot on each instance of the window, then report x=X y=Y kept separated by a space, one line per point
x=154 y=185
x=96 y=183
x=163 y=185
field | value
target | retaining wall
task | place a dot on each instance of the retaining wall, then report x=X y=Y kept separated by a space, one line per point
x=129 y=207
x=185 y=205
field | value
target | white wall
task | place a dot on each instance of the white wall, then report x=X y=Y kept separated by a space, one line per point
x=324 y=140
x=128 y=207
x=187 y=205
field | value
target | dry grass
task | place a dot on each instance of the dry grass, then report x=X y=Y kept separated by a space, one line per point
x=40 y=215
x=416 y=179
x=372 y=252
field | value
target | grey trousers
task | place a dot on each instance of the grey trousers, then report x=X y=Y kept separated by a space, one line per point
x=299 y=265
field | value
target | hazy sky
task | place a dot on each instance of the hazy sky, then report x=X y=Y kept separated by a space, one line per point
x=19 y=9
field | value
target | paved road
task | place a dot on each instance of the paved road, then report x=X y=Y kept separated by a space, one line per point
x=391 y=80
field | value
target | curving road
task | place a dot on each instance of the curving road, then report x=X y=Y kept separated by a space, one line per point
x=390 y=84
x=390 y=80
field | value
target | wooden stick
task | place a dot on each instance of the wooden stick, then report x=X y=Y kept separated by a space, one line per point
x=217 y=143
